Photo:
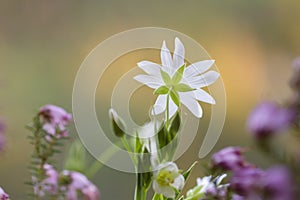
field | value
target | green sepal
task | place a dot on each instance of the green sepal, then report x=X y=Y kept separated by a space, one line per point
x=175 y=97
x=161 y=90
x=178 y=75
x=181 y=87
x=166 y=78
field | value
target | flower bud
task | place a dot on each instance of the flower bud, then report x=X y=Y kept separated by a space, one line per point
x=118 y=125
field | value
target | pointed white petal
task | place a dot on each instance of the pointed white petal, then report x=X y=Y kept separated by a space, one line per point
x=150 y=81
x=204 y=80
x=150 y=67
x=198 y=68
x=178 y=56
x=188 y=99
x=178 y=182
x=202 y=95
x=160 y=105
x=165 y=56
x=167 y=191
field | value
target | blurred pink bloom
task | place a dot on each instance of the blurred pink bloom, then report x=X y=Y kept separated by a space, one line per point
x=229 y=158
x=80 y=183
x=49 y=184
x=3 y=195
x=54 y=120
x=269 y=118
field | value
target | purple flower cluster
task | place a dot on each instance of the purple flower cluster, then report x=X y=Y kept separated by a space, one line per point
x=249 y=182
x=3 y=195
x=68 y=182
x=49 y=184
x=54 y=120
x=269 y=118
x=229 y=158
x=80 y=183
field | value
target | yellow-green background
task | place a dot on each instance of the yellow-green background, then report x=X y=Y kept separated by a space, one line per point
x=42 y=44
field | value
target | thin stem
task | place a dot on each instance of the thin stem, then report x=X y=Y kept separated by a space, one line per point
x=140 y=191
x=105 y=156
x=167 y=111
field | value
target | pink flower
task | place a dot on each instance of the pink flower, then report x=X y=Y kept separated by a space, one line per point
x=54 y=120
x=3 y=195
x=49 y=184
x=268 y=118
x=80 y=183
x=229 y=158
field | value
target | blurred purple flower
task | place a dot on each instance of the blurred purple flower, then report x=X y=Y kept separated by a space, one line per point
x=80 y=183
x=278 y=184
x=54 y=120
x=3 y=195
x=269 y=118
x=49 y=184
x=247 y=181
x=229 y=158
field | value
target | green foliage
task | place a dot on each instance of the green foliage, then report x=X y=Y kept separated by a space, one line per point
x=76 y=158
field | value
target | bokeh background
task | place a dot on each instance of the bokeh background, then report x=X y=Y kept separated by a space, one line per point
x=43 y=43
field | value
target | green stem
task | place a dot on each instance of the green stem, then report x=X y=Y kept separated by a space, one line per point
x=167 y=111
x=105 y=156
x=140 y=191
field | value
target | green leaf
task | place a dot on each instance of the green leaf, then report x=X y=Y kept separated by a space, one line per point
x=175 y=125
x=138 y=144
x=181 y=87
x=178 y=74
x=165 y=76
x=161 y=90
x=187 y=173
x=158 y=197
x=175 y=97
x=76 y=157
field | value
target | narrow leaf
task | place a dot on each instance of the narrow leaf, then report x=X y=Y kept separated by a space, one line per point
x=187 y=173
x=175 y=97
x=178 y=74
x=183 y=88
x=161 y=90
x=165 y=76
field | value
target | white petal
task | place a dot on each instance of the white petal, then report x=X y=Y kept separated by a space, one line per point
x=169 y=166
x=188 y=99
x=178 y=182
x=165 y=55
x=178 y=56
x=150 y=81
x=164 y=190
x=198 y=68
x=201 y=95
x=150 y=67
x=204 y=80
x=160 y=105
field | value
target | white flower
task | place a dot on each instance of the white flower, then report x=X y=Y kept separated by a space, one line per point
x=167 y=179
x=147 y=134
x=204 y=186
x=180 y=84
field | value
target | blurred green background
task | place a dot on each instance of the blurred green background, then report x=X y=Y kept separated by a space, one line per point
x=43 y=43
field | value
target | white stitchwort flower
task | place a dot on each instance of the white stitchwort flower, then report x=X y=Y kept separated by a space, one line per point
x=175 y=83
x=167 y=179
